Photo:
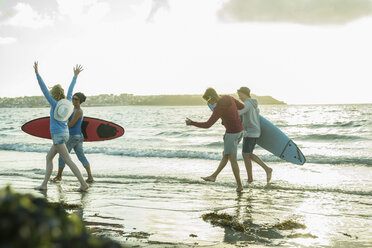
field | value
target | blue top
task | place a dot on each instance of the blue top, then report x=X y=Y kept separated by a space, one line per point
x=76 y=129
x=55 y=126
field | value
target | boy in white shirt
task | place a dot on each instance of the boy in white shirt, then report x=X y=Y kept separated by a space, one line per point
x=252 y=131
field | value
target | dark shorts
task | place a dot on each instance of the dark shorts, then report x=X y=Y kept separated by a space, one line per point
x=249 y=144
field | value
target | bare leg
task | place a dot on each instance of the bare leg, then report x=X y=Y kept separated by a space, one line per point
x=90 y=177
x=223 y=162
x=59 y=175
x=267 y=169
x=49 y=168
x=62 y=150
x=235 y=169
x=248 y=166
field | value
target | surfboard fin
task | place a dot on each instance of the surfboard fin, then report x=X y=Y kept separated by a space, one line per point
x=293 y=154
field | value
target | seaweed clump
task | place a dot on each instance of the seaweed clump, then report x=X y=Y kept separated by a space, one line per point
x=225 y=220
x=289 y=225
x=65 y=205
x=28 y=221
x=254 y=232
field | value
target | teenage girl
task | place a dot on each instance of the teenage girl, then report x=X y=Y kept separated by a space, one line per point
x=59 y=129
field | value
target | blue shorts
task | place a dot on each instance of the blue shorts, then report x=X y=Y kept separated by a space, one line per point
x=60 y=138
x=249 y=144
x=75 y=142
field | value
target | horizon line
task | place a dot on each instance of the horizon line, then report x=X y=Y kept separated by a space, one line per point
x=286 y=103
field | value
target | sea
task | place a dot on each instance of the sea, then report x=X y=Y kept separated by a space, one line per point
x=148 y=190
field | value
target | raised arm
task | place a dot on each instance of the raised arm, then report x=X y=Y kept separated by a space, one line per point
x=214 y=117
x=77 y=70
x=42 y=85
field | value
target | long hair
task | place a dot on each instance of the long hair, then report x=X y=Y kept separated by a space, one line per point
x=57 y=92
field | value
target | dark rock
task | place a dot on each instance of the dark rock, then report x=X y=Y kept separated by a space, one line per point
x=28 y=221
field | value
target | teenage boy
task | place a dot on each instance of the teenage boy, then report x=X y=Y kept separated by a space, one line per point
x=252 y=131
x=226 y=108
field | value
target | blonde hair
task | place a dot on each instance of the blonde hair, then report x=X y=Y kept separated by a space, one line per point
x=57 y=92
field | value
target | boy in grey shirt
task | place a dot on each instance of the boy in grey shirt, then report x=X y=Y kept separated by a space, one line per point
x=252 y=131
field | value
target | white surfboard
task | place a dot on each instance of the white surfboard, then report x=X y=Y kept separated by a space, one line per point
x=279 y=144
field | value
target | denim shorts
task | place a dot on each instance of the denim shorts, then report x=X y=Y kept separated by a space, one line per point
x=231 y=142
x=75 y=142
x=249 y=144
x=59 y=138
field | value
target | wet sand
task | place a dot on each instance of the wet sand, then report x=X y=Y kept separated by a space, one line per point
x=159 y=206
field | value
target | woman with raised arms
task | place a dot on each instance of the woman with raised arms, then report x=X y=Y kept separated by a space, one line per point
x=60 y=111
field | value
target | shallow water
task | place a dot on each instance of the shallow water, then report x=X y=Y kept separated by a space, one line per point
x=148 y=181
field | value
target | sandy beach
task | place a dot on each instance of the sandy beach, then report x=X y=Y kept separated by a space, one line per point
x=165 y=210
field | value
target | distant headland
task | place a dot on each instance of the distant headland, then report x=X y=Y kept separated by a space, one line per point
x=124 y=100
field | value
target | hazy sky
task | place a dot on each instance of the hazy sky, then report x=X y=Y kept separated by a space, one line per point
x=302 y=51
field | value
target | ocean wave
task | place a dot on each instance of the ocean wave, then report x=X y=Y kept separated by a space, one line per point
x=325 y=137
x=24 y=147
x=159 y=153
x=175 y=133
x=215 y=144
x=6 y=128
x=129 y=152
x=190 y=154
x=320 y=159
x=348 y=124
x=337 y=124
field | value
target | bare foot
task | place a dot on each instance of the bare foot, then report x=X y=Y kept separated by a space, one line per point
x=57 y=179
x=209 y=179
x=84 y=189
x=89 y=180
x=269 y=174
x=239 y=189
x=41 y=188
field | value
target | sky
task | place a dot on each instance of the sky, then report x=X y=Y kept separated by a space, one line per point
x=299 y=52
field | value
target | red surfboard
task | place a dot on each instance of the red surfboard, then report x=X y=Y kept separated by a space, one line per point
x=93 y=129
